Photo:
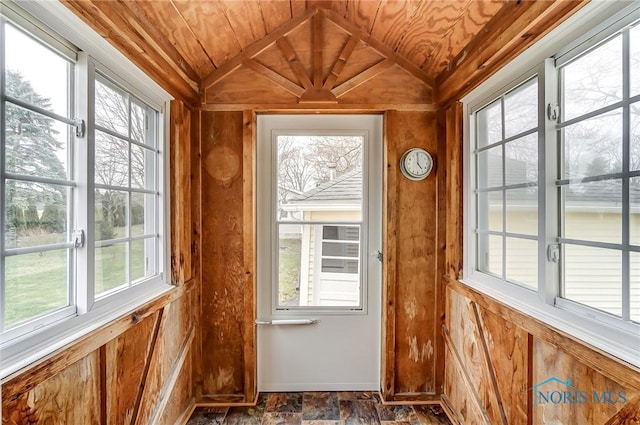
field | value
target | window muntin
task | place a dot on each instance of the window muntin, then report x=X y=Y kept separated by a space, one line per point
x=43 y=274
x=126 y=195
x=37 y=183
x=597 y=185
x=318 y=206
x=505 y=158
x=587 y=276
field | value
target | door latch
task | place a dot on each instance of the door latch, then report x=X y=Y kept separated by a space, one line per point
x=379 y=256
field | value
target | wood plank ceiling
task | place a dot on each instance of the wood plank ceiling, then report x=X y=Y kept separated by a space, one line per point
x=182 y=43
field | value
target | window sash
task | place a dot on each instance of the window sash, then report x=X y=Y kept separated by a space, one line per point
x=80 y=201
x=619 y=336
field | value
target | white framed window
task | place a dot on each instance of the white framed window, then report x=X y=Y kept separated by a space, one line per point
x=318 y=208
x=82 y=188
x=551 y=174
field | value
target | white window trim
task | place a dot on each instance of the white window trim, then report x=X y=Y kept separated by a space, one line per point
x=24 y=350
x=617 y=338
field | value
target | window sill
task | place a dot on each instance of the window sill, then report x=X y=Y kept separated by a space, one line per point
x=617 y=342
x=20 y=353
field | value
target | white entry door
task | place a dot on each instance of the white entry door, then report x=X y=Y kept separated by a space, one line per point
x=319 y=233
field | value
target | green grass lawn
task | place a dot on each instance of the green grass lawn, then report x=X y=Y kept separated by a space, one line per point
x=37 y=283
x=289 y=271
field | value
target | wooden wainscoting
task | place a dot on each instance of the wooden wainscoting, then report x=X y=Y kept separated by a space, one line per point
x=137 y=370
x=496 y=355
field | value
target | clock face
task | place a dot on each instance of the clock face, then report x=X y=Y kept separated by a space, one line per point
x=416 y=164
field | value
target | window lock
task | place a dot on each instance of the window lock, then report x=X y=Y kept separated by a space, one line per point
x=80 y=127
x=553 y=253
x=77 y=238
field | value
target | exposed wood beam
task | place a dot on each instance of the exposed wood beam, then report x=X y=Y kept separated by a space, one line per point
x=341 y=62
x=319 y=107
x=629 y=414
x=125 y=35
x=163 y=397
x=249 y=251
x=294 y=62
x=362 y=78
x=318 y=38
x=465 y=374
x=381 y=48
x=517 y=26
x=256 y=48
x=486 y=352
x=151 y=352
x=274 y=77
x=158 y=40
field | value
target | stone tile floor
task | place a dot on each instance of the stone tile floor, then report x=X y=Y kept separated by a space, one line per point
x=320 y=408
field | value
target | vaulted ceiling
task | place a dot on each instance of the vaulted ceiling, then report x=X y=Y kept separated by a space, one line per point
x=189 y=45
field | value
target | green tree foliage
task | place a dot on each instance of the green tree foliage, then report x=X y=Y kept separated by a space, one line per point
x=31 y=148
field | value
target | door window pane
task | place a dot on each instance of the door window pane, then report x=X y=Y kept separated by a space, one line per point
x=290 y=238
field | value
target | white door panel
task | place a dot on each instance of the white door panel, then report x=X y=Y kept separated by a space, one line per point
x=340 y=349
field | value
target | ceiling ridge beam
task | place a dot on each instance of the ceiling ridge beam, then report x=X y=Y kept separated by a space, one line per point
x=274 y=77
x=362 y=78
x=317 y=37
x=289 y=53
x=378 y=46
x=254 y=49
x=341 y=62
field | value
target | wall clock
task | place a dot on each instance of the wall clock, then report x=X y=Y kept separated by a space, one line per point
x=416 y=164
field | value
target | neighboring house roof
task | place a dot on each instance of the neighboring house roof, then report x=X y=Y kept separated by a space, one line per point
x=345 y=190
x=602 y=192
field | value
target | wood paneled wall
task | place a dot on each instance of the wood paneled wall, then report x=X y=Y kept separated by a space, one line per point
x=411 y=342
x=228 y=259
x=495 y=355
x=138 y=369
x=413 y=350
